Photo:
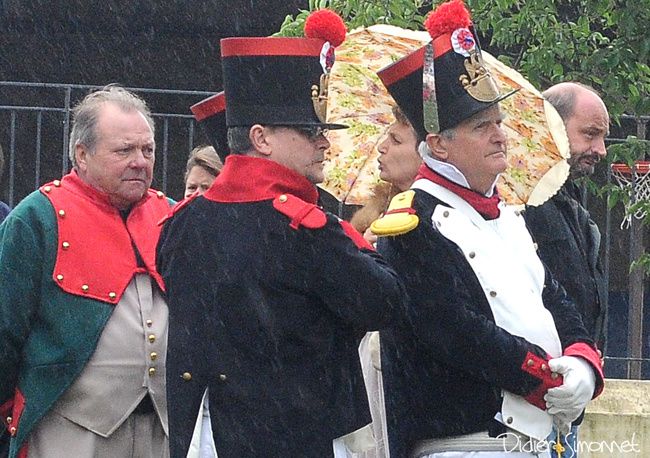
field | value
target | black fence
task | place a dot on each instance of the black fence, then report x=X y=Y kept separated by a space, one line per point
x=35 y=128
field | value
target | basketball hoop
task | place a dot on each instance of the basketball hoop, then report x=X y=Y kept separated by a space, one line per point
x=636 y=183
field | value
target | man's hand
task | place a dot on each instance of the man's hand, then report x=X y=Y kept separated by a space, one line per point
x=370 y=237
x=570 y=399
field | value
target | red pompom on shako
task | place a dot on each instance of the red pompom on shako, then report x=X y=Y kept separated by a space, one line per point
x=447 y=17
x=326 y=25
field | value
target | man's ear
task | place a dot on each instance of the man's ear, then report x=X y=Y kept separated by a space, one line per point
x=259 y=138
x=80 y=155
x=437 y=146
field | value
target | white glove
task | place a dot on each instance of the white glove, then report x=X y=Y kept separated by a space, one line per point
x=570 y=399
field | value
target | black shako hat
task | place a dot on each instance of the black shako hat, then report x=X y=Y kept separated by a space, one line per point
x=210 y=113
x=281 y=81
x=445 y=82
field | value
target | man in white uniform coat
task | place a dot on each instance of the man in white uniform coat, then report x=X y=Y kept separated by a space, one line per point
x=491 y=351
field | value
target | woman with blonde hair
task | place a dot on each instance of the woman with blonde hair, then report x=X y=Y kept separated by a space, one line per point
x=399 y=161
x=203 y=166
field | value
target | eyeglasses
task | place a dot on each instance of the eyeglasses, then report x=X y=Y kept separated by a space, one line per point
x=311 y=132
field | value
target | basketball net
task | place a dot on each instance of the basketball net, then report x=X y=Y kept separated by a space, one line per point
x=637 y=186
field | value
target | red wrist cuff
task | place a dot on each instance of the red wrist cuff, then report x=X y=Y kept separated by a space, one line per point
x=590 y=354
x=538 y=368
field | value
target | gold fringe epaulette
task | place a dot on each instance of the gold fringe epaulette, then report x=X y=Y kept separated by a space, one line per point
x=400 y=217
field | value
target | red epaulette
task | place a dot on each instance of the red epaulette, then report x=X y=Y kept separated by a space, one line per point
x=301 y=213
x=178 y=207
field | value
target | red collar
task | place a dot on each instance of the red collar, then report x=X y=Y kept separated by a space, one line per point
x=488 y=207
x=82 y=189
x=251 y=179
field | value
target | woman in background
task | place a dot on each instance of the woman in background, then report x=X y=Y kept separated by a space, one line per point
x=399 y=161
x=202 y=168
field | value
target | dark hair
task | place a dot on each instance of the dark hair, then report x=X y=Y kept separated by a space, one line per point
x=239 y=141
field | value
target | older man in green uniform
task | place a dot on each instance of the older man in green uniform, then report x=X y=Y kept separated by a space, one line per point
x=83 y=323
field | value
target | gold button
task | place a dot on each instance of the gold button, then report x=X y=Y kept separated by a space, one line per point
x=59 y=277
x=57 y=183
x=493 y=293
x=65 y=245
x=152 y=338
x=149 y=323
x=283 y=198
x=472 y=255
x=61 y=213
x=9 y=419
x=509 y=420
x=530 y=362
x=186 y=376
x=12 y=430
x=554 y=375
x=445 y=213
x=160 y=194
x=112 y=295
x=535 y=246
x=152 y=371
x=153 y=355
x=543 y=367
x=84 y=288
x=222 y=377
x=47 y=189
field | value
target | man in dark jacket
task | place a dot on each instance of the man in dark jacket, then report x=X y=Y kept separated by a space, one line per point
x=491 y=345
x=568 y=239
x=269 y=295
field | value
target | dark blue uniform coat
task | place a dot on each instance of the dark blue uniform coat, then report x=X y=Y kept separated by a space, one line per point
x=268 y=300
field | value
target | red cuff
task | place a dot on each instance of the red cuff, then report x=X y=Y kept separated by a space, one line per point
x=590 y=354
x=538 y=368
x=356 y=236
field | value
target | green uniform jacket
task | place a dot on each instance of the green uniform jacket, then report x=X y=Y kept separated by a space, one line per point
x=46 y=335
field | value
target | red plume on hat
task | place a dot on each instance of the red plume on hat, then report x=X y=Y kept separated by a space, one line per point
x=326 y=25
x=446 y=18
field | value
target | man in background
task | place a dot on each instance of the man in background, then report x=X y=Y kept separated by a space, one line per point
x=568 y=239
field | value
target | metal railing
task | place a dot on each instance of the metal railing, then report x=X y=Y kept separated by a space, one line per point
x=20 y=124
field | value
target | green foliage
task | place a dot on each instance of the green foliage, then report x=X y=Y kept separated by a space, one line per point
x=598 y=42
x=363 y=13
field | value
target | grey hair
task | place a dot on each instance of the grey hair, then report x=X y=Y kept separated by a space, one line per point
x=563 y=97
x=239 y=140
x=86 y=113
